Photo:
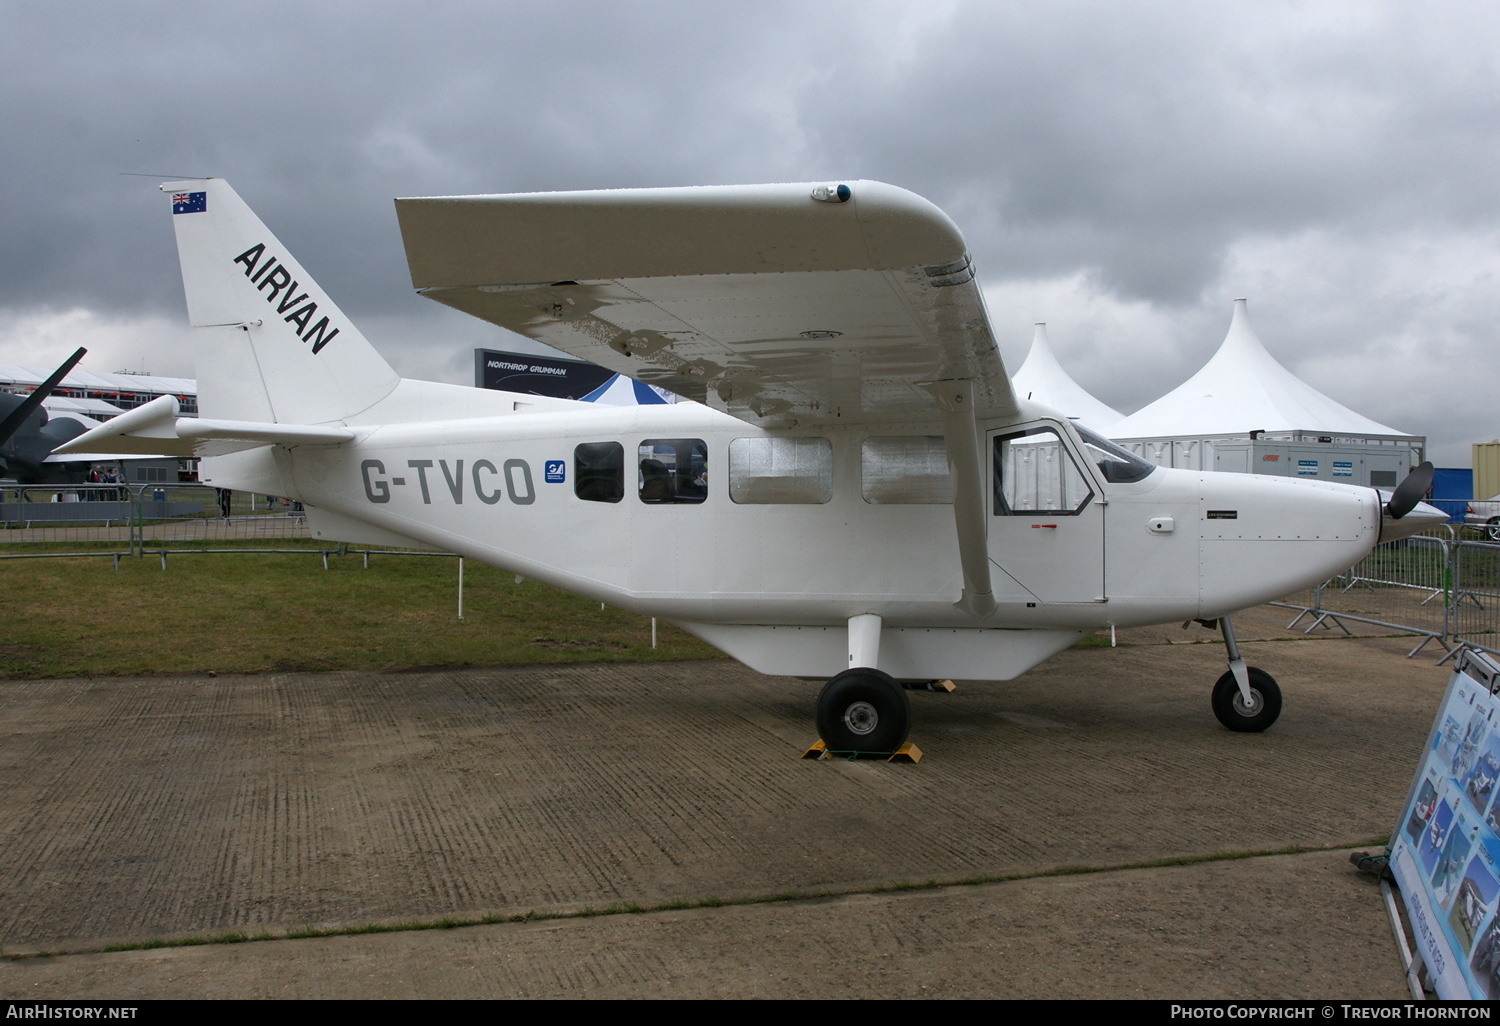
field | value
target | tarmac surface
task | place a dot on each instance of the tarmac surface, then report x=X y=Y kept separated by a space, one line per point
x=1086 y=831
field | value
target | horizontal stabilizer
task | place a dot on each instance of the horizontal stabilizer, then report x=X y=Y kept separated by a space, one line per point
x=156 y=428
x=108 y=457
x=265 y=434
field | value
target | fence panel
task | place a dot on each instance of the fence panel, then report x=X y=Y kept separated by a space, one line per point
x=1404 y=585
x=1476 y=595
x=42 y=520
x=193 y=517
x=58 y=520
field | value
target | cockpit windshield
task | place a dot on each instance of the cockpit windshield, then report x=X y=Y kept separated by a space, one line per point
x=1118 y=465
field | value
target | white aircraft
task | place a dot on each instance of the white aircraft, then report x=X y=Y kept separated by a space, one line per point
x=857 y=493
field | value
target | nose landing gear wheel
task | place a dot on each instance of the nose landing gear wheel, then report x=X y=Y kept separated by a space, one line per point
x=1231 y=709
x=863 y=710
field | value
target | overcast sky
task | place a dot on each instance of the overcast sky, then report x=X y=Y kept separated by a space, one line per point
x=1121 y=171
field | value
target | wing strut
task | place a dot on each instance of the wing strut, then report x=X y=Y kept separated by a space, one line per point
x=956 y=401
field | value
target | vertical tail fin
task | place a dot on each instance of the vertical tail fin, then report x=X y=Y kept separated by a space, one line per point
x=271 y=345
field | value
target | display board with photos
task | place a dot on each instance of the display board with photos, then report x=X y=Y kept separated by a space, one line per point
x=1445 y=854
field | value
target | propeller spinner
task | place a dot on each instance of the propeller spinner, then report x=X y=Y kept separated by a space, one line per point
x=1406 y=506
x=1409 y=492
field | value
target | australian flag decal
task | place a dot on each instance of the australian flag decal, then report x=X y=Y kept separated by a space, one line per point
x=189 y=202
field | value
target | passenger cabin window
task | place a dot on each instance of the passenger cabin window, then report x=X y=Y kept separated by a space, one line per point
x=673 y=470
x=780 y=470
x=905 y=469
x=599 y=471
x=1035 y=476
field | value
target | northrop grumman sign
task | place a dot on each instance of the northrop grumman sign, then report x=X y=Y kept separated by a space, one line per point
x=537 y=375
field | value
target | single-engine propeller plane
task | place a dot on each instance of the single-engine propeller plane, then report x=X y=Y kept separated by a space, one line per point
x=856 y=493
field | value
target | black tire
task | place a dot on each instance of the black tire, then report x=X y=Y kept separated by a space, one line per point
x=1229 y=707
x=1492 y=528
x=863 y=711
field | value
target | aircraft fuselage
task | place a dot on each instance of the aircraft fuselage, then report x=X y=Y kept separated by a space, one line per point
x=730 y=556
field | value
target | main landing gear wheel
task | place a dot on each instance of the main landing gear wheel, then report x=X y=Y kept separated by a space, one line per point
x=864 y=711
x=1265 y=702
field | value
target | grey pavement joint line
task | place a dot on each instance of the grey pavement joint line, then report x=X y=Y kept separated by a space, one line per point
x=634 y=908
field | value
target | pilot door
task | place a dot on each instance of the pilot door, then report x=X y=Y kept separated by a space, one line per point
x=1046 y=522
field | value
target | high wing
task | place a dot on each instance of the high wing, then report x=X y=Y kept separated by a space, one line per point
x=779 y=304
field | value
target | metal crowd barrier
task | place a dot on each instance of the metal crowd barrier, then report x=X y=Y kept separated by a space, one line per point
x=1402 y=586
x=1475 y=611
x=220 y=521
x=42 y=521
x=74 y=520
x=131 y=519
x=1439 y=587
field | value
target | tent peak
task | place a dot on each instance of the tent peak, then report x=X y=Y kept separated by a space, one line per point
x=1243 y=344
x=1243 y=388
x=1043 y=379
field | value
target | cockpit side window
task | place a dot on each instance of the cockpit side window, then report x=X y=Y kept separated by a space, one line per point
x=1035 y=475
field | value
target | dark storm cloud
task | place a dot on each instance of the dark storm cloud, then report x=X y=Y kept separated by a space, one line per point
x=322 y=115
x=1142 y=141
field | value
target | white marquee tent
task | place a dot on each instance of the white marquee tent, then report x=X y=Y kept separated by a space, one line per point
x=1042 y=379
x=1243 y=389
x=1244 y=411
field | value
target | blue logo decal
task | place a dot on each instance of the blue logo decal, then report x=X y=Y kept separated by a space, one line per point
x=556 y=471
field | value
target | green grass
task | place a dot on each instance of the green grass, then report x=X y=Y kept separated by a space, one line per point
x=247 y=613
